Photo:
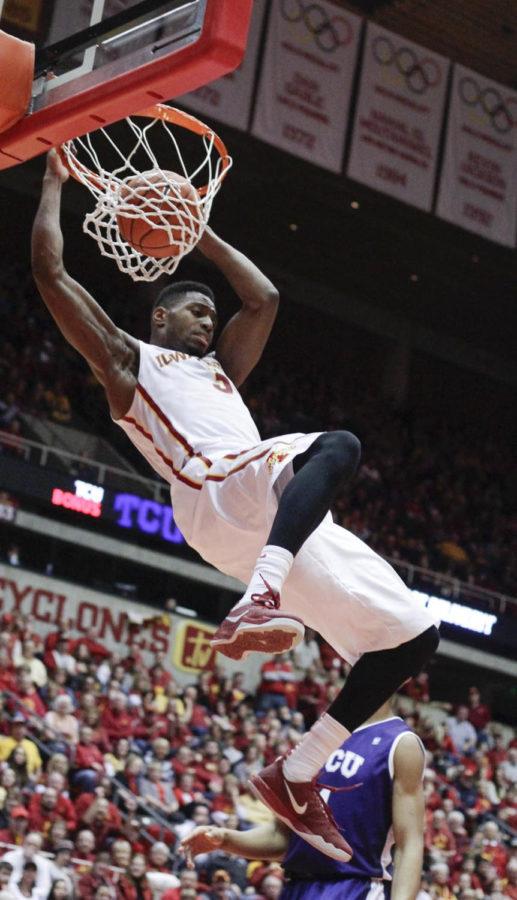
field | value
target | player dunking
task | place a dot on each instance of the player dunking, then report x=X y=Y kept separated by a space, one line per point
x=258 y=510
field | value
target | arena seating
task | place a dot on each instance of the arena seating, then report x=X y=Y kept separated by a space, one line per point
x=105 y=763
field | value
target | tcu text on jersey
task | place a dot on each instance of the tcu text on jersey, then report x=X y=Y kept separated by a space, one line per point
x=346 y=761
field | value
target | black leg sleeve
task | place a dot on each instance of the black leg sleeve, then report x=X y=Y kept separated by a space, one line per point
x=320 y=473
x=376 y=676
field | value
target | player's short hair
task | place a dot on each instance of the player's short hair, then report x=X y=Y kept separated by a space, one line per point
x=174 y=293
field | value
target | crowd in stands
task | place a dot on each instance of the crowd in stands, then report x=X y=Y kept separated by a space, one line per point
x=428 y=492
x=106 y=763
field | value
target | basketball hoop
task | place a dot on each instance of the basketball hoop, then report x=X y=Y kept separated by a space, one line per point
x=128 y=182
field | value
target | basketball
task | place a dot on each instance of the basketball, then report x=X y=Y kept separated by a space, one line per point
x=165 y=198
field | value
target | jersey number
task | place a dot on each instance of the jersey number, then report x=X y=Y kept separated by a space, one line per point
x=222 y=383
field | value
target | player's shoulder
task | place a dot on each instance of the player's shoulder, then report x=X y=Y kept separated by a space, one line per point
x=408 y=756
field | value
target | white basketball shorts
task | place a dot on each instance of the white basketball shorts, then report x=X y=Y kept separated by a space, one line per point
x=337 y=584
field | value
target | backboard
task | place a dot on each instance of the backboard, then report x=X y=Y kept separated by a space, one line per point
x=98 y=61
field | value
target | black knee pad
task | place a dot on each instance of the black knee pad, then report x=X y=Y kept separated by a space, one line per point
x=343 y=447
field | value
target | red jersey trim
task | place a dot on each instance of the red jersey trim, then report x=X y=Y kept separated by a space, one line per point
x=170 y=427
x=161 y=454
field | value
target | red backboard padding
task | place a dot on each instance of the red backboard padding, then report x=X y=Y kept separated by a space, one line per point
x=16 y=75
x=219 y=50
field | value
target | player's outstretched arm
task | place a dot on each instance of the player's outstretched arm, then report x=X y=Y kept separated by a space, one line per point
x=408 y=818
x=111 y=354
x=263 y=842
x=242 y=341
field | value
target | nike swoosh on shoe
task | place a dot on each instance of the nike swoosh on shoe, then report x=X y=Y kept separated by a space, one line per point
x=300 y=810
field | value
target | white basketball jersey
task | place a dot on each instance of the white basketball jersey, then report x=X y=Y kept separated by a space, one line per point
x=185 y=407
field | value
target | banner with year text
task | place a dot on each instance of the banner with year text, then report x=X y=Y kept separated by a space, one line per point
x=228 y=99
x=478 y=187
x=306 y=80
x=398 y=118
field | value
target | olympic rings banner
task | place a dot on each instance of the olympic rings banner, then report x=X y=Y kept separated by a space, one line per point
x=306 y=82
x=478 y=188
x=228 y=99
x=398 y=118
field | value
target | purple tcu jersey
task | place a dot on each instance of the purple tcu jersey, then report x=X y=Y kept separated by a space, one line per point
x=363 y=812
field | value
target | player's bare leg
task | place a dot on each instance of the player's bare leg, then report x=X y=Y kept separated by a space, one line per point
x=257 y=622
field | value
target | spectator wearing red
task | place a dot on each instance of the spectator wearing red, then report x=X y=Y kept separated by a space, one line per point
x=207 y=767
x=100 y=816
x=278 y=683
x=133 y=885
x=196 y=716
x=116 y=718
x=311 y=696
x=7 y=672
x=94 y=883
x=17 y=828
x=47 y=807
x=499 y=751
x=57 y=655
x=507 y=811
x=25 y=691
x=479 y=713
x=491 y=847
x=439 y=841
x=417 y=688
x=184 y=761
x=185 y=791
x=88 y=762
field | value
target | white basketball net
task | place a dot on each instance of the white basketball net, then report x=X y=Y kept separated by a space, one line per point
x=115 y=195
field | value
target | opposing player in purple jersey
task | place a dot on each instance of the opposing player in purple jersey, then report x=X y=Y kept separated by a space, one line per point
x=373 y=785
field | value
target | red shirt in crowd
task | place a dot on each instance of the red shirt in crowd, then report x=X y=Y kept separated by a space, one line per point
x=117 y=723
x=41 y=819
x=32 y=701
x=279 y=678
x=87 y=756
x=480 y=716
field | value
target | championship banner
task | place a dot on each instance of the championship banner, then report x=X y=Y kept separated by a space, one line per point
x=398 y=118
x=229 y=99
x=306 y=80
x=478 y=187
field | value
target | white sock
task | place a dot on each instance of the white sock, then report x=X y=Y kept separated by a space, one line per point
x=273 y=566
x=311 y=754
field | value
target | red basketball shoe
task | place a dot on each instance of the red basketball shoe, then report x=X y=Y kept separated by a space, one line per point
x=258 y=626
x=300 y=806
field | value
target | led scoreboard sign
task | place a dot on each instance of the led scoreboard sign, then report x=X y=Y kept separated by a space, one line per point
x=123 y=509
x=87 y=498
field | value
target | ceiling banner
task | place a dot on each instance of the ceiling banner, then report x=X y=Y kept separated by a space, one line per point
x=398 y=118
x=478 y=186
x=306 y=80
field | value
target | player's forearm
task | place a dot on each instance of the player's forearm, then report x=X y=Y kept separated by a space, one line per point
x=252 y=287
x=47 y=237
x=407 y=869
x=263 y=842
